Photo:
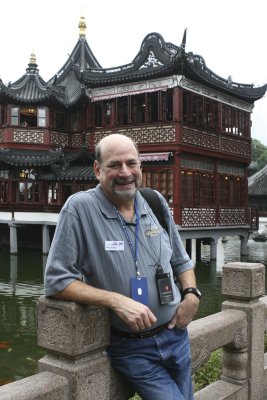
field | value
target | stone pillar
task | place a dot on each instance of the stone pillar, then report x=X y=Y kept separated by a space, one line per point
x=75 y=337
x=219 y=256
x=46 y=239
x=198 y=250
x=243 y=247
x=13 y=238
x=244 y=284
x=213 y=249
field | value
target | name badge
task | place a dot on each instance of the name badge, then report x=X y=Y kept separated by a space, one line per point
x=114 y=245
x=139 y=290
x=153 y=231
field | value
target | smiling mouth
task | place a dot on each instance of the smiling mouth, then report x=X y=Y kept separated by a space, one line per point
x=124 y=183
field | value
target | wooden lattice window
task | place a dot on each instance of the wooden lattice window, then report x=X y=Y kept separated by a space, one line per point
x=232 y=191
x=197 y=189
x=236 y=122
x=160 y=180
x=3 y=191
x=200 y=111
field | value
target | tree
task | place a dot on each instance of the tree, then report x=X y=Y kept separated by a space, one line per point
x=259 y=153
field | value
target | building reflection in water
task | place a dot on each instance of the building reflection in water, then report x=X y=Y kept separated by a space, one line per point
x=13 y=271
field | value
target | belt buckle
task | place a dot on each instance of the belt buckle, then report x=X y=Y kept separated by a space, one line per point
x=144 y=335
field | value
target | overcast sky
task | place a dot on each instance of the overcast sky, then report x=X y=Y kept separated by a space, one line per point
x=230 y=35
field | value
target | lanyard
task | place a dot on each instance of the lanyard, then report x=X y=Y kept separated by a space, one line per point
x=124 y=227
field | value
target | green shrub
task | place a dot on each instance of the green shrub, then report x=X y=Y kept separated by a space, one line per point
x=209 y=372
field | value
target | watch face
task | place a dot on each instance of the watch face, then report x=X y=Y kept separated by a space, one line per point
x=195 y=291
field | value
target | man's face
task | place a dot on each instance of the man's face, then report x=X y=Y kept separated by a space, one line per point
x=119 y=172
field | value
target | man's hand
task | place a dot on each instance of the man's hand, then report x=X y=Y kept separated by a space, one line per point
x=136 y=315
x=185 y=312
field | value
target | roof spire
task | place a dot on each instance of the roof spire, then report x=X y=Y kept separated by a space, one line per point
x=32 y=58
x=82 y=27
x=32 y=66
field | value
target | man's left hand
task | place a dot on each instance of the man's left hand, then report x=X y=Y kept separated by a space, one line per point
x=185 y=312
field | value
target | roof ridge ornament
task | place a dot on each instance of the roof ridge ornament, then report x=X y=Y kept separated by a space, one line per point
x=82 y=27
x=32 y=66
x=183 y=44
x=32 y=58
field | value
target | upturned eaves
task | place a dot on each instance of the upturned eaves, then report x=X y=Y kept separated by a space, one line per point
x=257 y=183
x=158 y=58
x=194 y=68
x=155 y=59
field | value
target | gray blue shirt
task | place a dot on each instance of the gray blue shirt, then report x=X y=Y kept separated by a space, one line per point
x=90 y=245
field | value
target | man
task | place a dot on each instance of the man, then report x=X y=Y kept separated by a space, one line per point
x=110 y=250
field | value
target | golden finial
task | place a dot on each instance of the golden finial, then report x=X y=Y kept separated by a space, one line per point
x=32 y=58
x=82 y=26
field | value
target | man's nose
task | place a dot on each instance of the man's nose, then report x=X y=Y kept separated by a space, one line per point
x=125 y=169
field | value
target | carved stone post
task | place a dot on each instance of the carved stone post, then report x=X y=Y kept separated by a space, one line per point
x=75 y=337
x=244 y=284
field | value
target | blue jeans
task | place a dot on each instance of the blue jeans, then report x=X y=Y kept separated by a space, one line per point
x=158 y=367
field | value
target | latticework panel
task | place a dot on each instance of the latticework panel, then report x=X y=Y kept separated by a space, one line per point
x=28 y=136
x=233 y=216
x=219 y=142
x=60 y=139
x=77 y=140
x=147 y=134
x=235 y=146
x=200 y=138
x=196 y=217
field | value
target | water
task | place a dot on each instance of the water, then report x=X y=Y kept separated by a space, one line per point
x=21 y=284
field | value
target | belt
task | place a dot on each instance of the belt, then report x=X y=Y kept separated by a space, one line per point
x=138 y=335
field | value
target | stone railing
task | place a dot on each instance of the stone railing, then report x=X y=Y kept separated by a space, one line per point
x=75 y=336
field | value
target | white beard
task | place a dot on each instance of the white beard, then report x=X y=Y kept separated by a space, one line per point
x=125 y=194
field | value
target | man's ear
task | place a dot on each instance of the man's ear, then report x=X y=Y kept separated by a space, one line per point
x=96 y=169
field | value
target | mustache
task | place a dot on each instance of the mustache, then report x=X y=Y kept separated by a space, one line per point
x=121 y=181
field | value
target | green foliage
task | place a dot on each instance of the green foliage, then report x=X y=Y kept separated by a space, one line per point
x=210 y=372
x=136 y=397
x=259 y=153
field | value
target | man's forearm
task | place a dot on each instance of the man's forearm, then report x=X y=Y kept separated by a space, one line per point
x=187 y=279
x=136 y=315
x=83 y=293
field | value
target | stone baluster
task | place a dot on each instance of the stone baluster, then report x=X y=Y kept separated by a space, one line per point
x=243 y=284
x=75 y=337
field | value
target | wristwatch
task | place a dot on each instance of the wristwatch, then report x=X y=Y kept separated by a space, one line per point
x=192 y=290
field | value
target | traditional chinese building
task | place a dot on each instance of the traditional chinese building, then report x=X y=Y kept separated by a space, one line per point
x=257 y=191
x=193 y=129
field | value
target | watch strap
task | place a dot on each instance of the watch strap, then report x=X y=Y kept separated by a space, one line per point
x=192 y=290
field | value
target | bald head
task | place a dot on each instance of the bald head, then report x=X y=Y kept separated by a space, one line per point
x=112 y=141
x=117 y=167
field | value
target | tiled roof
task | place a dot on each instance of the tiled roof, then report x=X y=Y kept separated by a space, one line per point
x=27 y=158
x=75 y=172
x=257 y=183
x=156 y=59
